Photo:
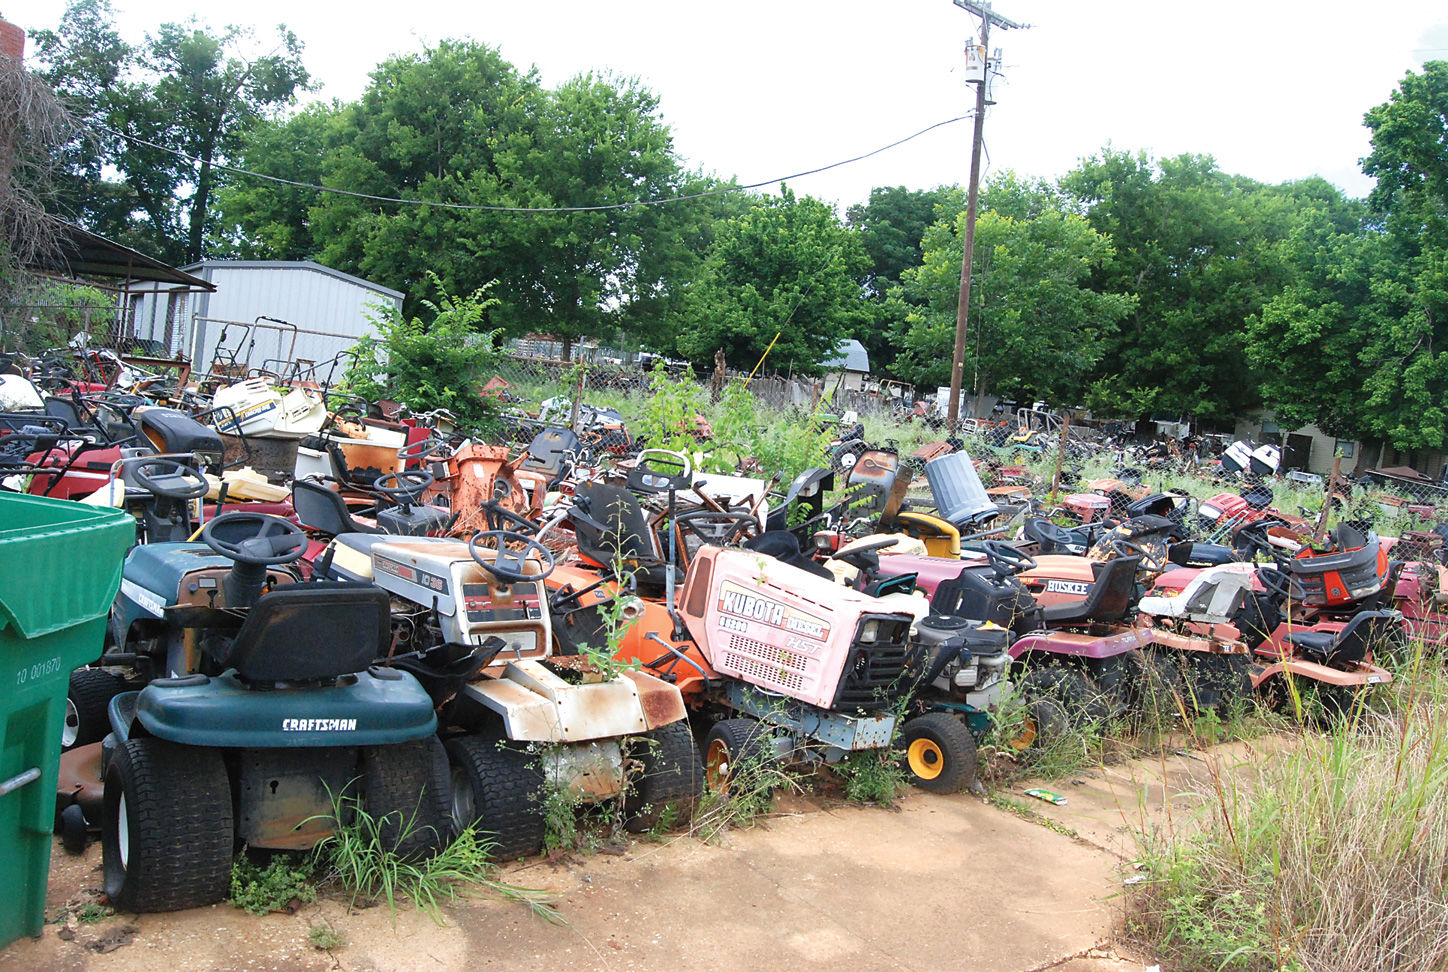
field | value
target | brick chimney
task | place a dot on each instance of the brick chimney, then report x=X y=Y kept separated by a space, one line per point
x=12 y=42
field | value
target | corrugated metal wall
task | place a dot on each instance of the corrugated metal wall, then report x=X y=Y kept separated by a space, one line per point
x=310 y=299
x=334 y=308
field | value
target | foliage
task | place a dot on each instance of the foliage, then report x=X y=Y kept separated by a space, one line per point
x=668 y=418
x=785 y=267
x=51 y=312
x=1291 y=870
x=34 y=126
x=425 y=365
x=1030 y=302
x=261 y=890
x=359 y=855
x=459 y=124
x=873 y=776
x=785 y=444
x=325 y=938
x=1200 y=250
x=186 y=88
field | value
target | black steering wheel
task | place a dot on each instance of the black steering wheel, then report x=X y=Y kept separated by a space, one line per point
x=171 y=478
x=509 y=565
x=274 y=540
x=1053 y=533
x=1281 y=583
x=1252 y=540
x=1006 y=560
x=407 y=486
x=718 y=527
x=856 y=557
x=1149 y=561
x=423 y=449
x=496 y=516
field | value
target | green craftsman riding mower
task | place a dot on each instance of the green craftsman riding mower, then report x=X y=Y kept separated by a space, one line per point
x=264 y=715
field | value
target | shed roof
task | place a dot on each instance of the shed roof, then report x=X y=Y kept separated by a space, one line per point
x=207 y=265
x=83 y=253
x=849 y=356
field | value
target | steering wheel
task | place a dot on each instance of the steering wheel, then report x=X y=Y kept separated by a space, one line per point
x=497 y=515
x=423 y=449
x=718 y=527
x=1281 y=583
x=276 y=541
x=1251 y=539
x=508 y=565
x=407 y=486
x=855 y=556
x=1055 y=534
x=1006 y=560
x=1149 y=561
x=172 y=479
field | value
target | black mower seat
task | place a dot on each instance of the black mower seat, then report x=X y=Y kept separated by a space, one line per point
x=322 y=509
x=1351 y=644
x=549 y=452
x=784 y=547
x=309 y=632
x=625 y=534
x=173 y=431
x=1107 y=601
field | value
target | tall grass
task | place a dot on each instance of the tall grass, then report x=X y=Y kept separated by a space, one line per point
x=1336 y=857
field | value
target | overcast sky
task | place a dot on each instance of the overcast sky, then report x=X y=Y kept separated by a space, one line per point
x=1273 y=89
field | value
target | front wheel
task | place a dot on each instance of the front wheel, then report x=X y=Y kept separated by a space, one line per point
x=669 y=775
x=86 y=703
x=939 y=752
x=167 y=835
x=738 y=756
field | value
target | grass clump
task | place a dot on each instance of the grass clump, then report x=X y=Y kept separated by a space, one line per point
x=360 y=856
x=325 y=938
x=1335 y=858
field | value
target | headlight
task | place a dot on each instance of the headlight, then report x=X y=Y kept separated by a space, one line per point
x=870 y=632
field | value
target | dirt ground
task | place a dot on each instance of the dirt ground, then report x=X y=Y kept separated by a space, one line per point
x=940 y=882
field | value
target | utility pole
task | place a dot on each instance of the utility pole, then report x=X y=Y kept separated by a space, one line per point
x=962 y=314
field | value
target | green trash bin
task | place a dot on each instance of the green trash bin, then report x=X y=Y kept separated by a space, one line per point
x=60 y=565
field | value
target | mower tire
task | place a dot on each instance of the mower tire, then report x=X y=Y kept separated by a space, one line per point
x=1153 y=683
x=737 y=756
x=1077 y=695
x=939 y=753
x=1217 y=682
x=406 y=793
x=669 y=773
x=497 y=786
x=167 y=837
x=86 y=703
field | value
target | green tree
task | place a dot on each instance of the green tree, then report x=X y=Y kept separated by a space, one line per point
x=891 y=225
x=1358 y=342
x=786 y=267
x=1201 y=249
x=459 y=125
x=186 y=89
x=1036 y=328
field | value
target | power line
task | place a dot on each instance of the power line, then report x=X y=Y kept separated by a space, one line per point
x=523 y=209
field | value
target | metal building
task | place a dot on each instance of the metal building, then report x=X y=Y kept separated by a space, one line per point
x=266 y=313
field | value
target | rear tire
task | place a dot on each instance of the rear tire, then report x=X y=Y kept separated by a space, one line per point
x=1079 y=698
x=670 y=773
x=168 y=834
x=86 y=703
x=939 y=752
x=405 y=792
x=737 y=754
x=497 y=787
x=1153 y=684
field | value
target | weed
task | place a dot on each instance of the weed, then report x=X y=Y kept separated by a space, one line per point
x=261 y=890
x=325 y=938
x=560 y=817
x=359 y=856
x=1031 y=814
x=92 y=912
x=1336 y=857
x=872 y=776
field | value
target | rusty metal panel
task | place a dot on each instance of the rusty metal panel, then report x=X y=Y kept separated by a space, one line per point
x=661 y=702
x=283 y=798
